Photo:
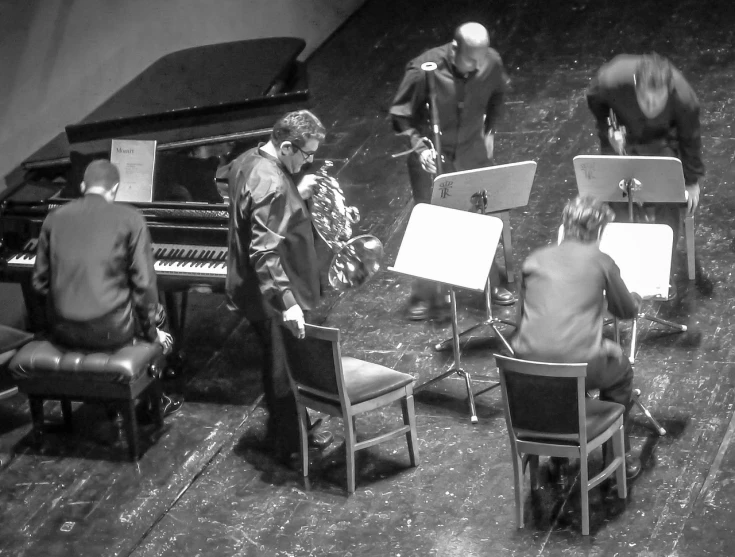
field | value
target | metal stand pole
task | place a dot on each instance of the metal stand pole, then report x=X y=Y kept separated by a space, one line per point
x=490 y=321
x=456 y=368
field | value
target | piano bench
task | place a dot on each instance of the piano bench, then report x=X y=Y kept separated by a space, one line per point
x=46 y=371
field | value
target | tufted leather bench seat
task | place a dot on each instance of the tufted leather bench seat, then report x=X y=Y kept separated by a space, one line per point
x=46 y=371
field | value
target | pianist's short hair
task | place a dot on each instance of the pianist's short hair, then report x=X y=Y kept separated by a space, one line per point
x=101 y=174
x=584 y=219
x=653 y=72
x=298 y=127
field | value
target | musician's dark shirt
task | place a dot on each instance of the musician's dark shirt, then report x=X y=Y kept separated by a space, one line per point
x=93 y=261
x=562 y=304
x=271 y=261
x=463 y=102
x=677 y=126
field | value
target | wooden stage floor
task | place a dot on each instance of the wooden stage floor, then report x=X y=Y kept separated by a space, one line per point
x=205 y=486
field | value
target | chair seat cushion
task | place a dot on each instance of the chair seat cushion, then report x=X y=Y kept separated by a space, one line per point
x=600 y=416
x=366 y=380
x=41 y=359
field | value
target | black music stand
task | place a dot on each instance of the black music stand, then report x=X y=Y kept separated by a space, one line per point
x=433 y=248
x=487 y=190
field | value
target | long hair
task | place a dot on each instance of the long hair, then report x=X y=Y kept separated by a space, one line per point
x=653 y=72
x=584 y=219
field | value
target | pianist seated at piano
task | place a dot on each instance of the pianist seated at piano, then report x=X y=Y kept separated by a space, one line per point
x=94 y=266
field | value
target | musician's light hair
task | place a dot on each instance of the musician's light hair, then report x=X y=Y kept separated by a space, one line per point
x=584 y=219
x=101 y=174
x=653 y=71
x=471 y=35
x=297 y=127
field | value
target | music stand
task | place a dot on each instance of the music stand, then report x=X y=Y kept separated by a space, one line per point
x=633 y=180
x=487 y=190
x=641 y=253
x=614 y=178
x=433 y=248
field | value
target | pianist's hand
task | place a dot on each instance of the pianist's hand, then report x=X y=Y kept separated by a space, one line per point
x=293 y=319
x=307 y=185
x=165 y=340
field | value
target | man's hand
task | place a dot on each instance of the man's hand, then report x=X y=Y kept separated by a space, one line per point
x=428 y=160
x=637 y=299
x=293 y=319
x=692 y=198
x=617 y=139
x=307 y=185
x=165 y=340
x=490 y=144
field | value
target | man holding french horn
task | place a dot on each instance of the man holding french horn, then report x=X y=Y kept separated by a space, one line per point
x=272 y=270
x=468 y=86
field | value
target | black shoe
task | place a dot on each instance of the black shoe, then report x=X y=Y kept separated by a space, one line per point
x=632 y=466
x=320 y=440
x=170 y=404
x=502 y=297
x=418 y=310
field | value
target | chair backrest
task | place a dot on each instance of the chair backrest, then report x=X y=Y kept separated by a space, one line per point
x=543 y=397
x=315 y=362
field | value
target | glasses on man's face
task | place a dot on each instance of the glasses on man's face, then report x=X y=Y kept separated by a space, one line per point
x=306 y=154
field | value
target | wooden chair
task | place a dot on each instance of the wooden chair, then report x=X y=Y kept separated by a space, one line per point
x=547 y=413
x=326 y=381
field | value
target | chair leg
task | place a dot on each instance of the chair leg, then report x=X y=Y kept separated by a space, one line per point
x=66 y=414
x=689 y=234
x=518 y=484
x=618 y=441
x=584 y=491
x=131 y=429
x=304 y=439
x=409 y=418
x=350 y=440
x=36 y=406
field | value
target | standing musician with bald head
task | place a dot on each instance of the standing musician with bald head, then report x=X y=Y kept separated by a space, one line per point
x=660 y=113
x=470 y=83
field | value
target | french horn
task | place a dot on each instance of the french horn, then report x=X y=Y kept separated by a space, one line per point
x=356 y=259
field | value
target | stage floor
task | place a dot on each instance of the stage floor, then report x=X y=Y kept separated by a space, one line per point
x=205 y=486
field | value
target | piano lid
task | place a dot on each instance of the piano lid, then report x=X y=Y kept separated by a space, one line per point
x=202 y=91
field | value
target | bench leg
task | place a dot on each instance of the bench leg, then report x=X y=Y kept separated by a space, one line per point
x=36 y=405
x=131 y=429
x=156 y=393
x=66 y=413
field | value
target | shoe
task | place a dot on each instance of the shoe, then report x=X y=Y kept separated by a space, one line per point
x=170 y=404
x=632 y=466
x=502 y=297
x=320 y=440
x=418 y=310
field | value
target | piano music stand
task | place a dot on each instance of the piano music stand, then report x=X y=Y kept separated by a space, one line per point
x=632 y=179
x=434 y=248
x=487 y=190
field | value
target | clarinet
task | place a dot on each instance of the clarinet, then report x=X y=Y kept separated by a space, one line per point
x=429 y=68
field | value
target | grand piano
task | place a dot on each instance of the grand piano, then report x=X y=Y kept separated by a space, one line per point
x=203 y=106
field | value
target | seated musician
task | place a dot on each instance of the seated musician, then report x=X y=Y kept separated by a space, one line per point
x=565 y=291
x=94 y=266
x=660 y=113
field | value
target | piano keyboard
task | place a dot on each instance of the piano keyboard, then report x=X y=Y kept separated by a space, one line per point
x=169 y=259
